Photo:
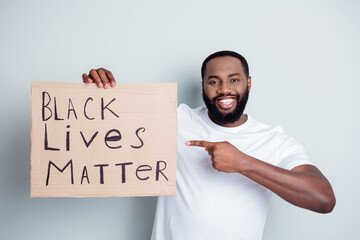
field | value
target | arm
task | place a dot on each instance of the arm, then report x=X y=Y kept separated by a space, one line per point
x=304 y=186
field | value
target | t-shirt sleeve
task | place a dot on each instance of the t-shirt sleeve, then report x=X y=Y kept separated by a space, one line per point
x=290 y=153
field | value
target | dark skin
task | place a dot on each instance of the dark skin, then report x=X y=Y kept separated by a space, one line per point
x=304 y=186
x=101 y=77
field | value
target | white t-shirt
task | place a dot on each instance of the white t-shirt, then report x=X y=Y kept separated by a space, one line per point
x=214 y=205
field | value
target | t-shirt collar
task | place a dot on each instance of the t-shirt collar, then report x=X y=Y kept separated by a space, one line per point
x=206 y=118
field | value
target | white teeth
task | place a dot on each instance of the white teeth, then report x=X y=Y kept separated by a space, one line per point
x=226 y=101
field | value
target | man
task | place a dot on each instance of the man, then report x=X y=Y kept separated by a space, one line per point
x=223 y=192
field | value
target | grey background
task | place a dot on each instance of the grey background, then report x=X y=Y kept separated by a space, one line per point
x=304 y=61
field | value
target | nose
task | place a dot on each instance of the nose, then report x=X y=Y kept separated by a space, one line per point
x=224 y=88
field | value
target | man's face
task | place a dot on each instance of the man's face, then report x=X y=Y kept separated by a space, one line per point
x=225 y=89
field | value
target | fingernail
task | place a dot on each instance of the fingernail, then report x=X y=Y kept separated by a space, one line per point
x=187 y=143
x=113 y=84
x=106 y=85
x=100 y=85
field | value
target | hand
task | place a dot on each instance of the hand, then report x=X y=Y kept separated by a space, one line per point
x=100 y=76
x=225 y=157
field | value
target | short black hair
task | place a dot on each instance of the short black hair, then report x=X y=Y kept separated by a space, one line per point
x=222 y=54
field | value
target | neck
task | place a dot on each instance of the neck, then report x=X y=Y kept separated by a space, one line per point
x=237 y=123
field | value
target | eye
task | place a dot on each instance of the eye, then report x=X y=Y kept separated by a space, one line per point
x=233 y=80
x=213 y=82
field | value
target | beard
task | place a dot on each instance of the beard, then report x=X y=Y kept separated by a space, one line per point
x=226 y=118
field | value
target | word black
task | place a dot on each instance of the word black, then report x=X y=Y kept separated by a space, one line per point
x=46 y=99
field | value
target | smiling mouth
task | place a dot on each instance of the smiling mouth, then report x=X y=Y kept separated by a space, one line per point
x=226 y=103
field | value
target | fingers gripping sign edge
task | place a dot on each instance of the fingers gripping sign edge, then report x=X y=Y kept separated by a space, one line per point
x=111 y=78
x=95 y=77
x=103 y=77
x=86 y=78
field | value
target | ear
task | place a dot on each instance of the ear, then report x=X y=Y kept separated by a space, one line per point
x=249 y=83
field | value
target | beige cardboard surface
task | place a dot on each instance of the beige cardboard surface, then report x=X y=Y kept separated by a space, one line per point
x=91 y=142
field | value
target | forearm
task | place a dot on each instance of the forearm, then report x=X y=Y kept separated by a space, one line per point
x=303 y=186
x=307 y=188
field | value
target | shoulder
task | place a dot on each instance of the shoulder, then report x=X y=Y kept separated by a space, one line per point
x=288 y=151
x=276 y=133
x=260 y=127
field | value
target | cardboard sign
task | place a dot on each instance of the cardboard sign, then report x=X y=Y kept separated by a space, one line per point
x=91 y=142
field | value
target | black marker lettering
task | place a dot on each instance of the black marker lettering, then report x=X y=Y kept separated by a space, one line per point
x=143 y=168
x=158 y=170
x=123 y=175
x=103 y=108
x=85 y=109
x=85 y=175
x=112 y=138
x=67 y=139
x=137 y=134
x=46 y=144
x=71 y=109
x=101 y=171
x=45 y=106
x=60 y=170
x=55 y=109
x=87 y=143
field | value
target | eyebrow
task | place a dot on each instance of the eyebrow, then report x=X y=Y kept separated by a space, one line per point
x=234 y=74
x=230 y=75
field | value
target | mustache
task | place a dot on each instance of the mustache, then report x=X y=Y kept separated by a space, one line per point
x=226 y=95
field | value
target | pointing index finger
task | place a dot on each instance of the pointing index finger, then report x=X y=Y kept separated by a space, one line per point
x=200 y=143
